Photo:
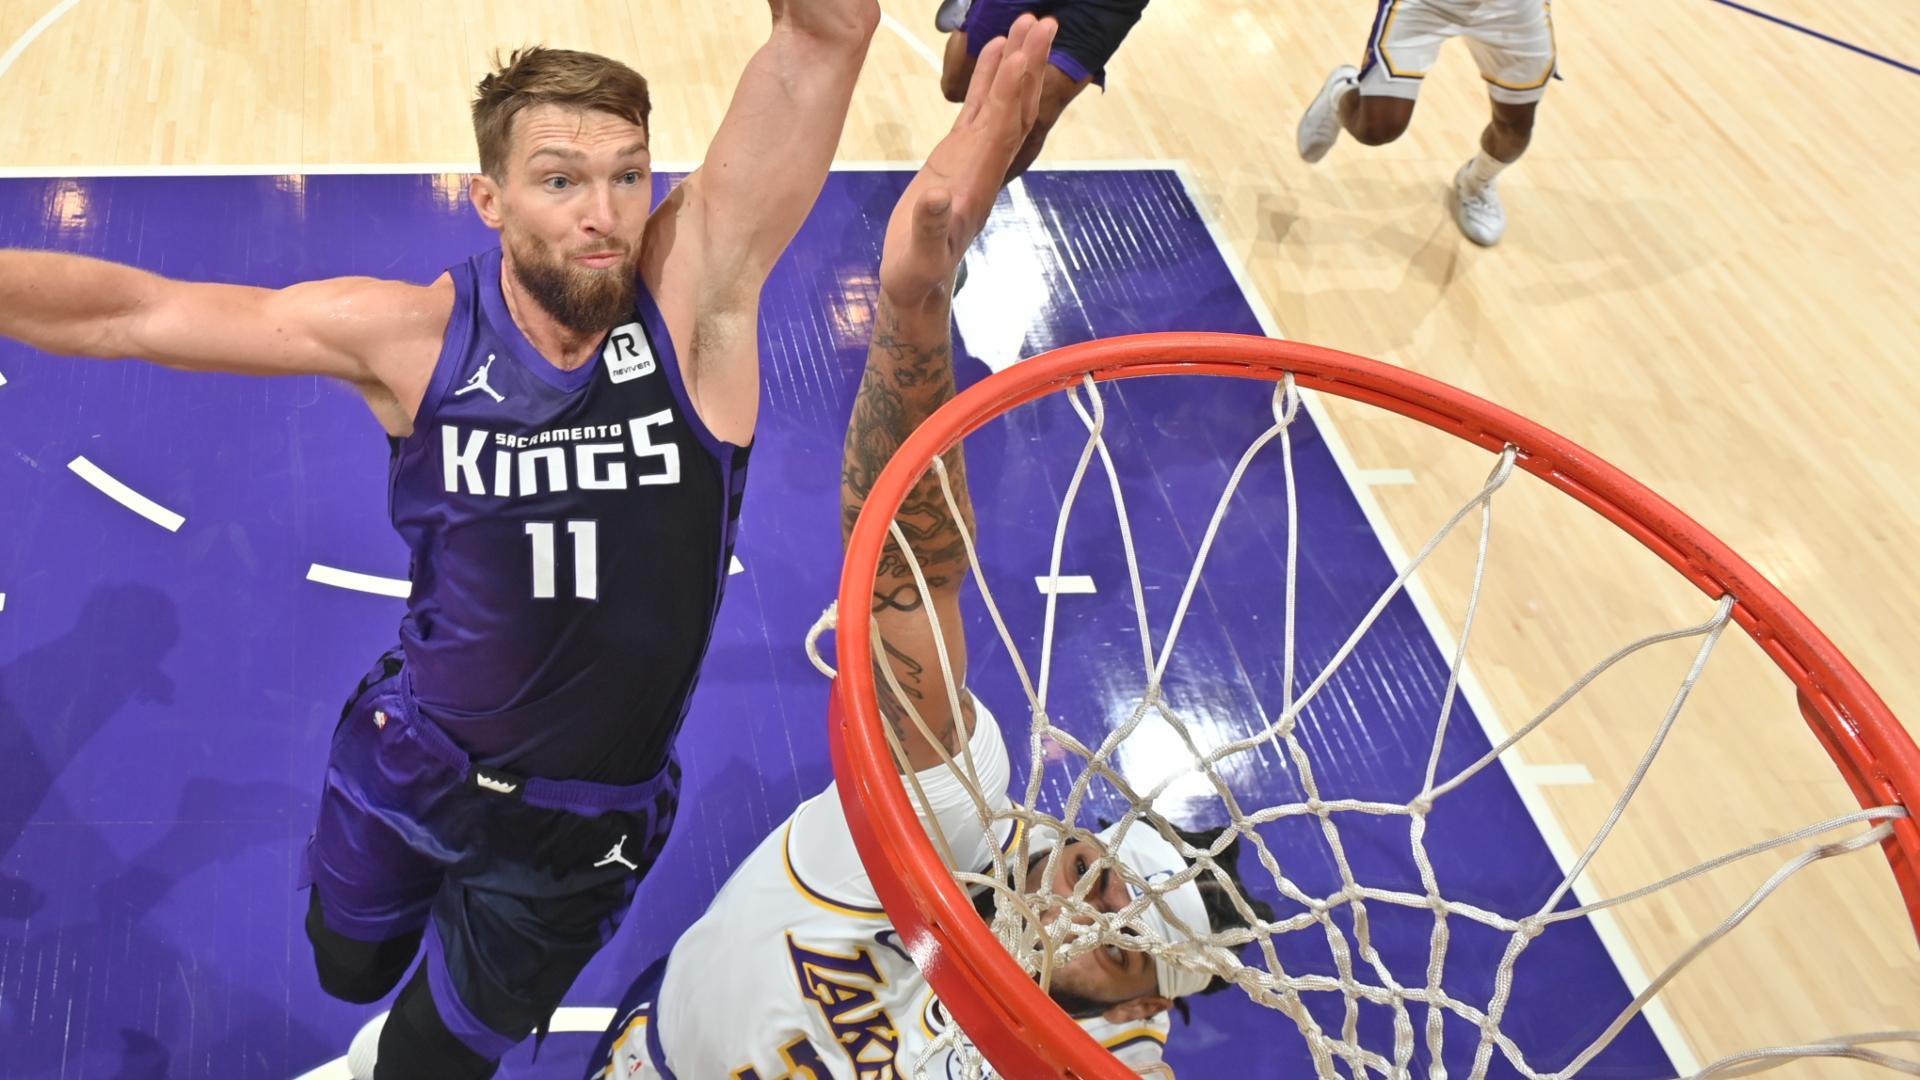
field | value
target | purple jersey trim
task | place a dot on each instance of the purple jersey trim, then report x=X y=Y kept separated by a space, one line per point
x=1075 y=70
x=453 y=346
x=656 y=327
x=989 y=19
x=1072 y=68
x=459 y=1019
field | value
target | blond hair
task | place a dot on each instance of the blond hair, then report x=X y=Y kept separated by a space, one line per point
x=540 y=76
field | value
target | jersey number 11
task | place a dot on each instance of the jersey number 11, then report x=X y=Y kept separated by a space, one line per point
x=586 y=559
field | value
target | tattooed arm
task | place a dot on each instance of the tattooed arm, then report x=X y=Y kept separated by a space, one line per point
x=909 y=374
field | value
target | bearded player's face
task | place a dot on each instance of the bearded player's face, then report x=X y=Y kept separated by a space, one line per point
x=573 y=208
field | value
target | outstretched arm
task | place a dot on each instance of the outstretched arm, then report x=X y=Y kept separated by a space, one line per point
x=909 y=374
x=711 y=245
x=356 y=329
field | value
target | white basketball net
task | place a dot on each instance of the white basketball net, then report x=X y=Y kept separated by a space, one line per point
x=1247 y=958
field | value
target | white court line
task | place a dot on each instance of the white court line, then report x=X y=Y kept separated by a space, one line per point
x=1383 y=477
x=913 y=41
x=1570 y=775
x=366 y=583
x=7 y=58
x=3 y=601
x=1625 y=959
x=1064 y=585
x=3 y=378
x=737 y=567
x=126 y=496
x=575 y=1019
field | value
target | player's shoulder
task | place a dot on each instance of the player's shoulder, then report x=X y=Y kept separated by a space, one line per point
x=404 y=300
x=395 y=328
x=370 y=307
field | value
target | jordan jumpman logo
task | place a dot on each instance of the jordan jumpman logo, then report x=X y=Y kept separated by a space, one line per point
x=479 y=382
x=616 y=854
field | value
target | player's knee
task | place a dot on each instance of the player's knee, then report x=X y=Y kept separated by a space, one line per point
x=357 y=985
x=367 y=977
x=956 y=68
x=361 y=972
x=1379 y=121
x=1513 y=132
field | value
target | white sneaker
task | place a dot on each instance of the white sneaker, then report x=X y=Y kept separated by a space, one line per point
x=1320 y=124
x=1477 y=210
x=365 y=1048
x=952 y=15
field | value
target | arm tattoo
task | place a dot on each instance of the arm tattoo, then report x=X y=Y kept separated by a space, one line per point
x=903 y=597
x=909 y=672
x=908 y=376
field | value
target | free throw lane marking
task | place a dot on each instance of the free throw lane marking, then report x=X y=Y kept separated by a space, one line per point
x=366 y=583
x=126 y=496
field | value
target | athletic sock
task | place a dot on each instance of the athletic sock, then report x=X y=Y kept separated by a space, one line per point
x=1482 y=169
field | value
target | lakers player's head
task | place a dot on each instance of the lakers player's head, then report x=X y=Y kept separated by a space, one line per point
x=1125 y=984
x=566 y=178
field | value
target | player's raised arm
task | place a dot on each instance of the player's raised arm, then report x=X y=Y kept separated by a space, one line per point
x=76 y=306
x=909 y=374
x=713 y=242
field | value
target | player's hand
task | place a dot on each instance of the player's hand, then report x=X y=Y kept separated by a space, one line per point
x=947 y=203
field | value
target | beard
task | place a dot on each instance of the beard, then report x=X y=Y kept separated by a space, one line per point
x=580 y=298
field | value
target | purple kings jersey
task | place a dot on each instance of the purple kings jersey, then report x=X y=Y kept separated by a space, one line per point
x=570 y=535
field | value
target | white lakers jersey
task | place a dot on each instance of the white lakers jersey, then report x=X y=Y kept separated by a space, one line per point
x=795 y=971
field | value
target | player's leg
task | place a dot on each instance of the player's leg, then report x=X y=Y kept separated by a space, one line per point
x=1514 y=47
x=496 y=967
x=523 y=912
x=1477 y=208
x=1374 y=103
x=984 y=21
x=951 y=15
x=416 y=1042
x=1375 y=119
x=956 y=67
x=1090 y=33
x=1509 y=133
x=361 y=972
x=371 y=892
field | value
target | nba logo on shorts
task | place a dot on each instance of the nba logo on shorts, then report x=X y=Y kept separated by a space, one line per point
x=627 y=355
